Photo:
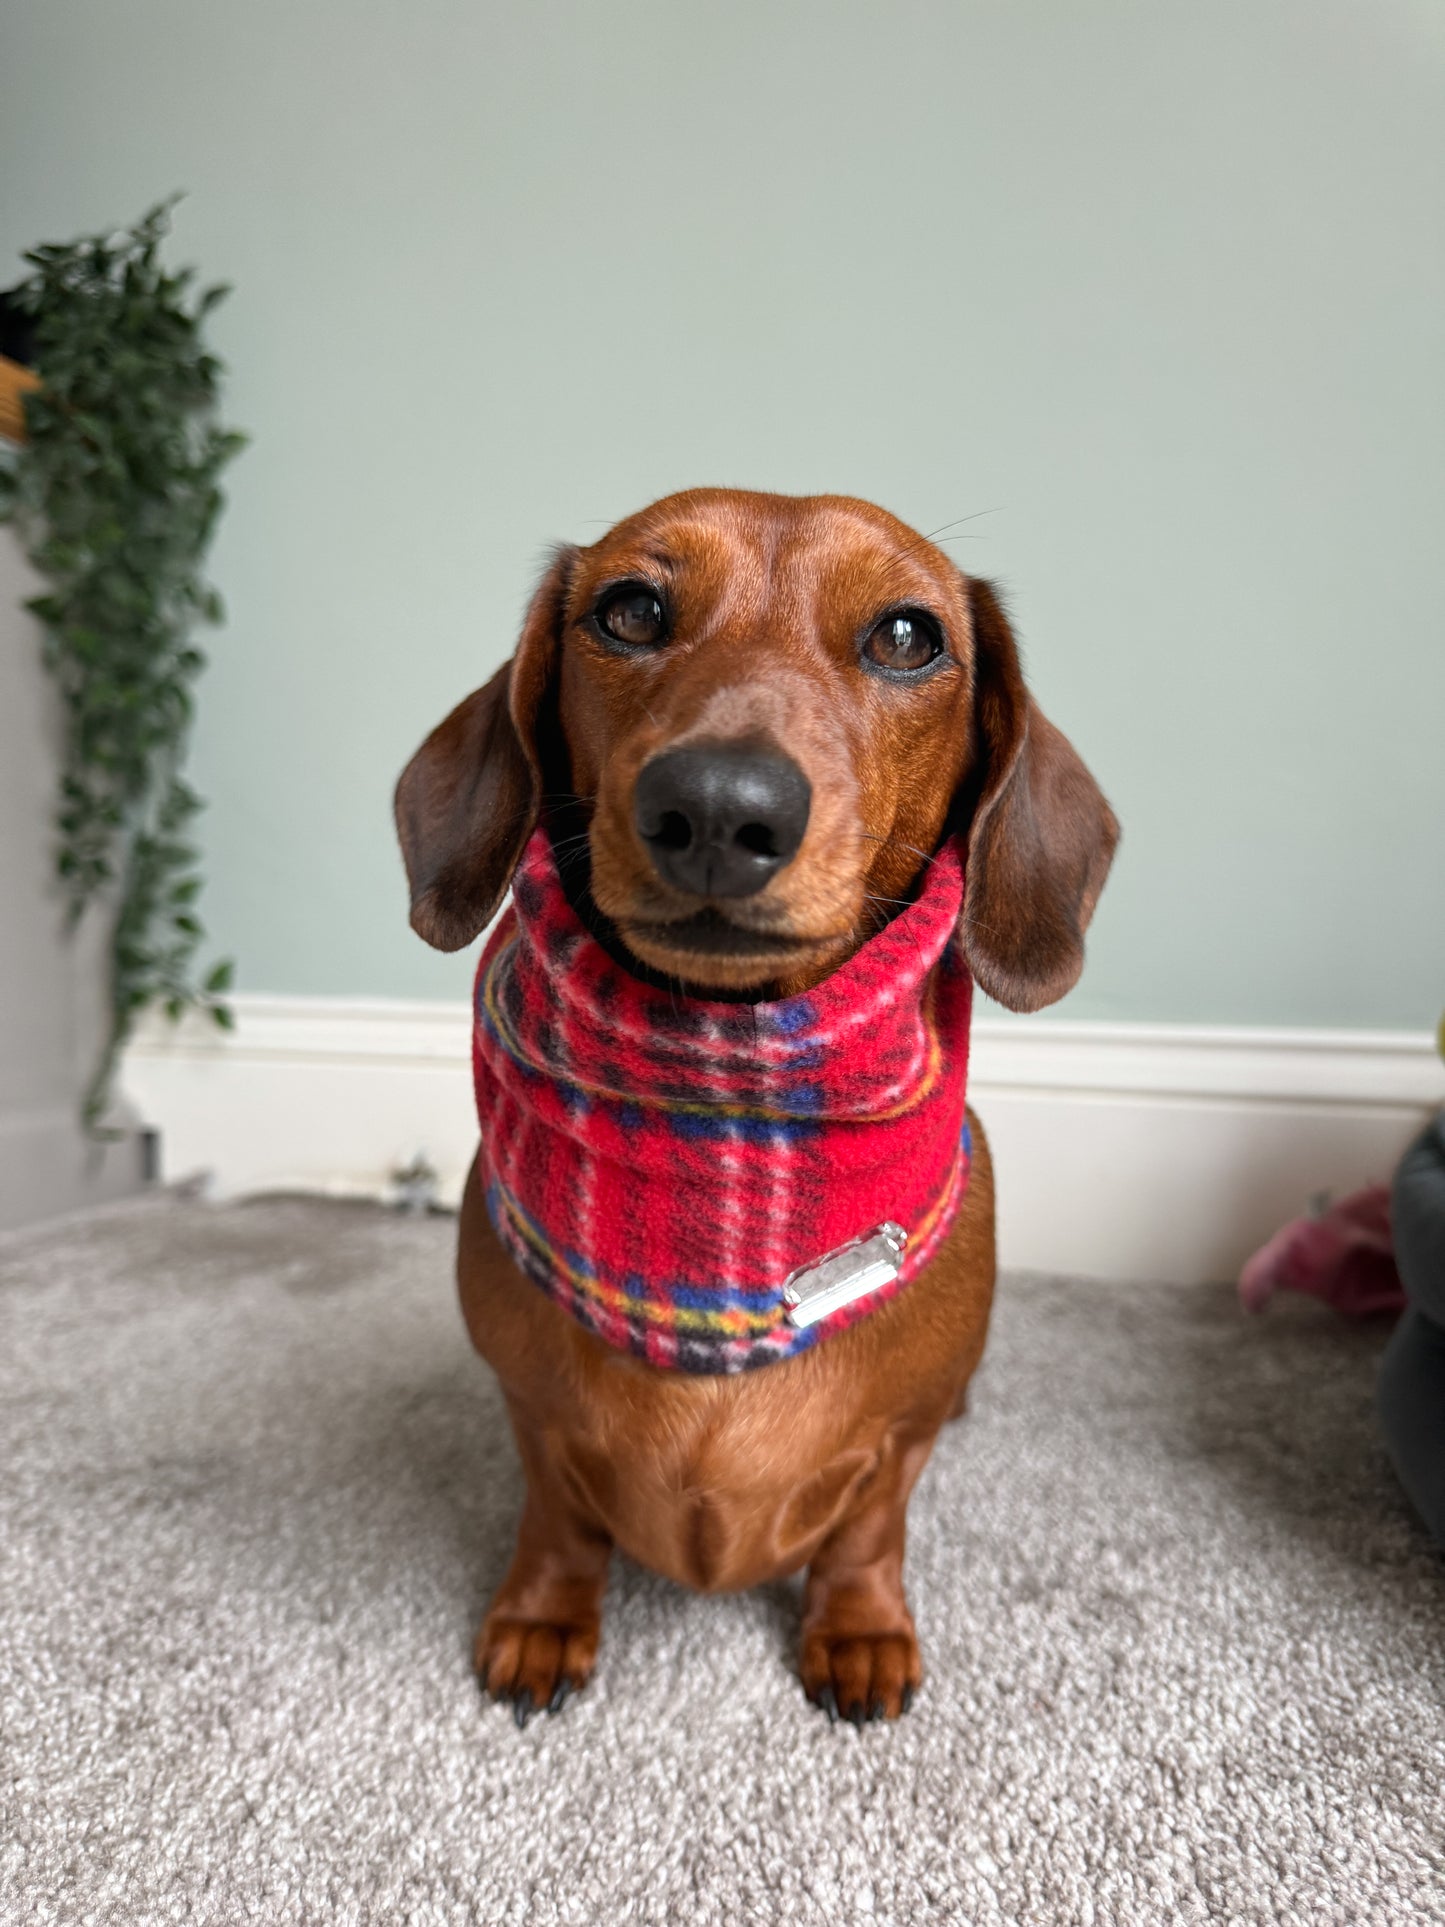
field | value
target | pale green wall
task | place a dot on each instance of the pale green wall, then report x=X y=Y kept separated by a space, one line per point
x=1162 y=284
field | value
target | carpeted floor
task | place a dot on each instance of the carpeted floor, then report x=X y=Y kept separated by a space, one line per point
x=1186 y=1648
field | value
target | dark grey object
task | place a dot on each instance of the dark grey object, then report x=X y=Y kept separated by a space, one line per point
x=1412 y=1375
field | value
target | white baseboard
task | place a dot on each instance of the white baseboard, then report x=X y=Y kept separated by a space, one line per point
x=1141 y=1151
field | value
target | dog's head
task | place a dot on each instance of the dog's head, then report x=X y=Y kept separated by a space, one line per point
x=763 y=712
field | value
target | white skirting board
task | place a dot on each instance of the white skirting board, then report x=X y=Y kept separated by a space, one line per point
x=1139 y=1151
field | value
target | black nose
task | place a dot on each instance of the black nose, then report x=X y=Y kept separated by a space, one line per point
x=719 y=819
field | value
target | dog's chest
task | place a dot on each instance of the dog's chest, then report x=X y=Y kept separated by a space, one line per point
x=722 y=1498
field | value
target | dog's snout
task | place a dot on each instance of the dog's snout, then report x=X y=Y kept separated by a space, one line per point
x=720 y=819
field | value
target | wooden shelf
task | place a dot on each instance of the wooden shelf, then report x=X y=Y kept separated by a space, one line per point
x=15 y=383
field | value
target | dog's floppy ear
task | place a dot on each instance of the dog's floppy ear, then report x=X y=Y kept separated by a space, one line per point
x=468 y=800
x=1041 y=838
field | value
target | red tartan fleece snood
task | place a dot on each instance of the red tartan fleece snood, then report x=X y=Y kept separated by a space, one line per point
x=660 y=1165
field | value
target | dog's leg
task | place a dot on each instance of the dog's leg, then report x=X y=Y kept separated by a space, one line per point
x=538 y=1642
x=860 y=1654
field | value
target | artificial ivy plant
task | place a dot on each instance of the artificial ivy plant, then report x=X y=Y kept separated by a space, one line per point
x=115 y=495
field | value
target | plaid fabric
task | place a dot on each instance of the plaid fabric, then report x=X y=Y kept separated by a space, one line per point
x=659 y=1165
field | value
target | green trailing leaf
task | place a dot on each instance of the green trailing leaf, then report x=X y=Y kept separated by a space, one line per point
x=115 y=495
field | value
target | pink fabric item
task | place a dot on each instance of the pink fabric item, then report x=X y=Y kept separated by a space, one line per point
x=1344 y=1256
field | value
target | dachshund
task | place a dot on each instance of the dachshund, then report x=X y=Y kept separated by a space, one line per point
x=747 y=723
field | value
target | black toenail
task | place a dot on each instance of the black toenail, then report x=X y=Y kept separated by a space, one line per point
x=523 y=1707
x=828 y=1700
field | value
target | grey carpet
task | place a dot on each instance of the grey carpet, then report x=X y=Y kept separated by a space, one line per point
x=1186 y=1648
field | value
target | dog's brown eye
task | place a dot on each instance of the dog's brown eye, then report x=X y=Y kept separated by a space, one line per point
x=903 y=642
x=633 y=615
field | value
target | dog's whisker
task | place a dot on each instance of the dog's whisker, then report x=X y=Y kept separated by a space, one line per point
x=872 y=897
x=977 y=515
x=897 y=843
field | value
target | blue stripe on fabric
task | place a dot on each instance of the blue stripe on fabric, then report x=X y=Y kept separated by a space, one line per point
x=788 y=1018
x=707 y=1128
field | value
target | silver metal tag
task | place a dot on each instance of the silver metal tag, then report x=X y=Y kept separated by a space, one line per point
x=850 y=1272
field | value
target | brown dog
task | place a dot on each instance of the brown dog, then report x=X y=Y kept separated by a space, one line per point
x=824 y=637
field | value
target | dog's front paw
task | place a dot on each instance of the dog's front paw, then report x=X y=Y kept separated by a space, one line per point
x=870 y=1676
x=531 y=1663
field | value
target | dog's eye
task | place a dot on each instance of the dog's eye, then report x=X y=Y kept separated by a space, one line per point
x=903 y=642
x=633 y=615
